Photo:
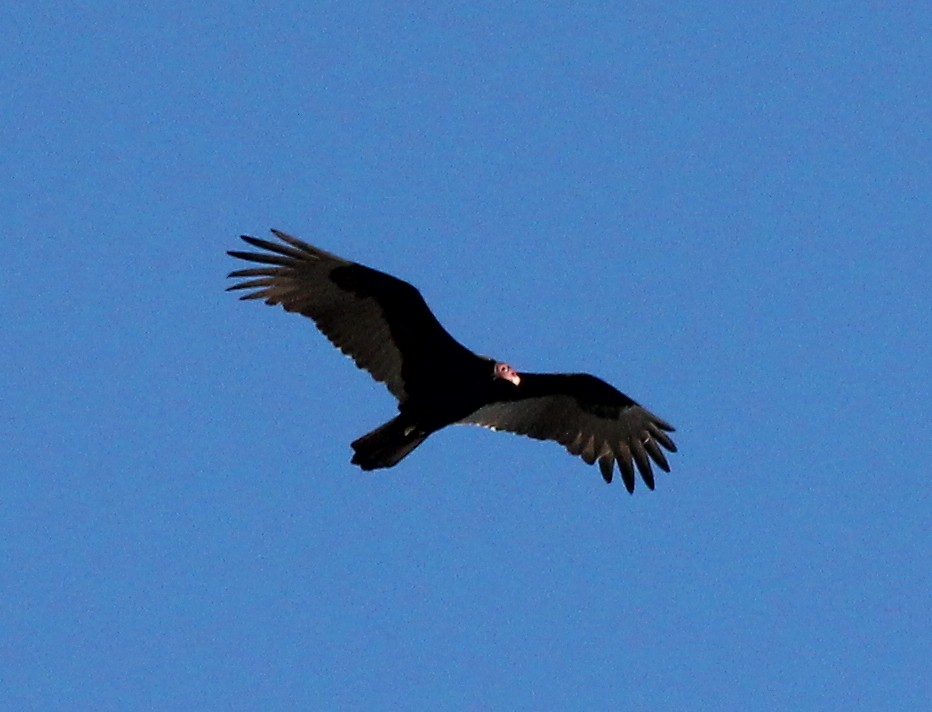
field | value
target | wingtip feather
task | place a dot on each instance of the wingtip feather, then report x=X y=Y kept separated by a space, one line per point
x=607 y=467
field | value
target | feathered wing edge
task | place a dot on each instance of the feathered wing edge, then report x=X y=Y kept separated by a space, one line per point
x=380 y=321
x=633 y=440
x=297 y=276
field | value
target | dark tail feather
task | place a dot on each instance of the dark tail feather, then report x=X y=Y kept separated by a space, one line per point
x=387 y=445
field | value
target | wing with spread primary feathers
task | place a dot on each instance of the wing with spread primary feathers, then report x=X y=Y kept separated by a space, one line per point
x=380 y=321
x=589 y=417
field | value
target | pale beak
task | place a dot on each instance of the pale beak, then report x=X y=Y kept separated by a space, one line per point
x=506 y=373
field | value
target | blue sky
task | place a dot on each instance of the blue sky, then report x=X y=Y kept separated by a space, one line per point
x=725 y=212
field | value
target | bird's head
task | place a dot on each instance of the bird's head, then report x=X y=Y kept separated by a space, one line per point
x=506 y=373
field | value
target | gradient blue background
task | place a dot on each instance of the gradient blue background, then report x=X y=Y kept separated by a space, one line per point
x=724 y=211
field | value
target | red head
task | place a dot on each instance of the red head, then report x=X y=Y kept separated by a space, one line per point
x=506 y=373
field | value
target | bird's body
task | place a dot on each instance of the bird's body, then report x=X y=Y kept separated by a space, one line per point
x=386 y=327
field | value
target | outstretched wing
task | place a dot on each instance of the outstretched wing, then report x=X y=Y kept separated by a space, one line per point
x=380 y=321
x=589 y=417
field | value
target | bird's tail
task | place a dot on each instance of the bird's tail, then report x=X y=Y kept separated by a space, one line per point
x=387 y=445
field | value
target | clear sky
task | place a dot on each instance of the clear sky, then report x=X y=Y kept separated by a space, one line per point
x=724 y=211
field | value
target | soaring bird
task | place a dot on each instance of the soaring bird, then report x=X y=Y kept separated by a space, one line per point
x=386 y=327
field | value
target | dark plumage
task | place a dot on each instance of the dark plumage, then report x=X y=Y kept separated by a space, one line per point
x=386 y=327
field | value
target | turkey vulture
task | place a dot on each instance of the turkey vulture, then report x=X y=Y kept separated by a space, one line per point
x=386 y=327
